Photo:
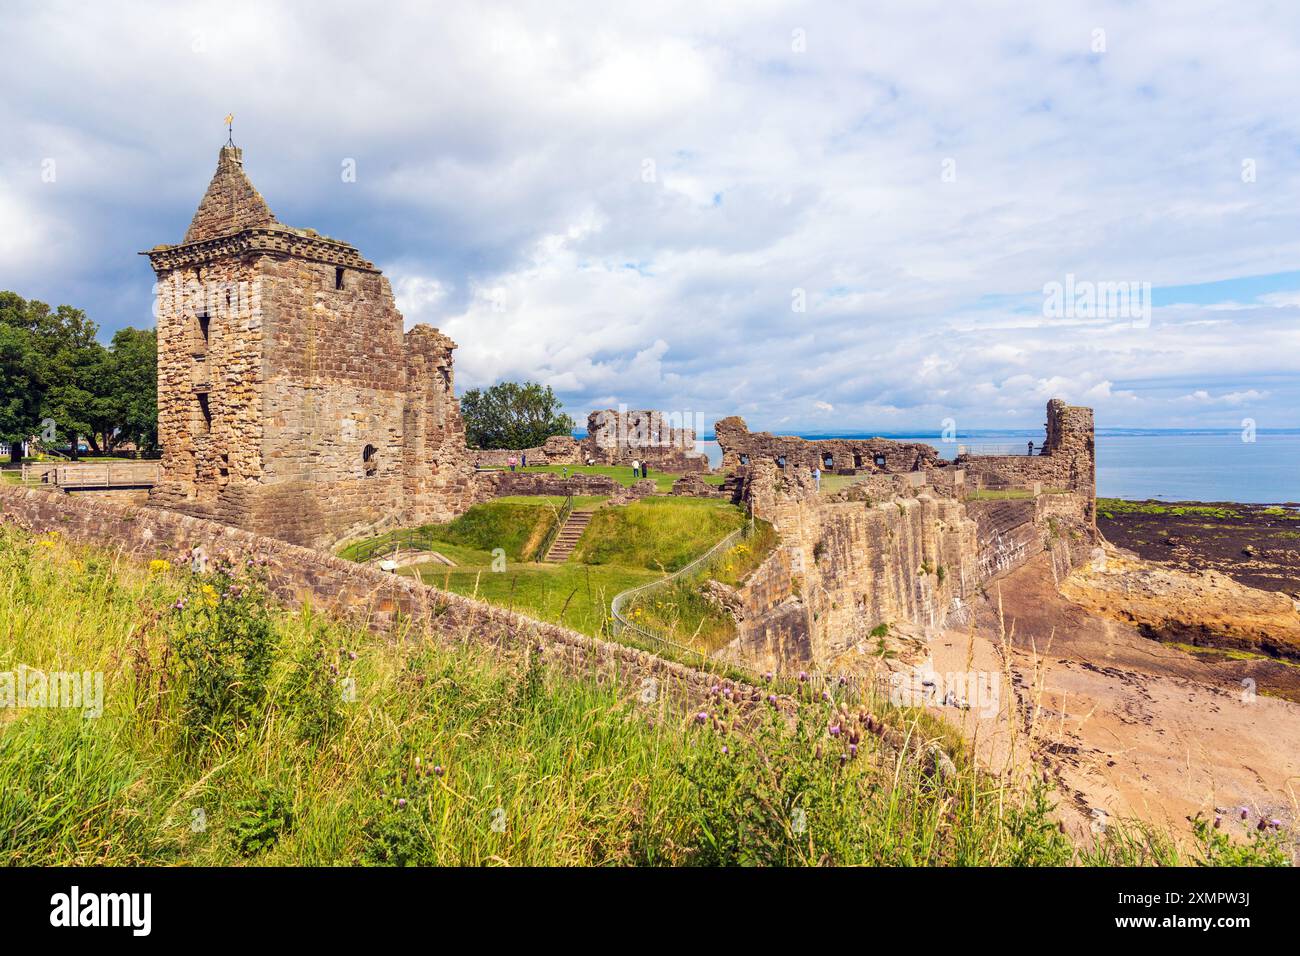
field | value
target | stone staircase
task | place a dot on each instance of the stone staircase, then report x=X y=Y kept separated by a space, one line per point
x=567 y=539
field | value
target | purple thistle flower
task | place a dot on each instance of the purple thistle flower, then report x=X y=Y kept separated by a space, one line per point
x=401 y=801
x=1275 y=824
x=803 y=677
x=1245 y=811
x=771 y=699
x=437 y=770
x=853 y=750
x=702 y=716
x=725 y=750
x=835 y=730
x=1218 y=821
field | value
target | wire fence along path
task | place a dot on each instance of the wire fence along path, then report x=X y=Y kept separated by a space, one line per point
x=653 y=636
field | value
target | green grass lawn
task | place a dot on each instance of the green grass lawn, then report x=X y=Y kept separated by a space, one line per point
x=680 y=610
x=518 y=526
x=579 y=501
x=570 y=594
x=622 y=547
x=660 y=534
x=621 y=473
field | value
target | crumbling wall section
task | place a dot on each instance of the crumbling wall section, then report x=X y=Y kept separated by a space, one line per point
x=741 y=447
x=618 y=437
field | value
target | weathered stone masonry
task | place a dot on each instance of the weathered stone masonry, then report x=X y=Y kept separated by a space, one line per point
x=290 y=402
x=741 y=448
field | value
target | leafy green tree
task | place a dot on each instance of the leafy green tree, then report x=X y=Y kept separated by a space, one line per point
x=20 y=393
x=22 y=380
x=53 y=366
x=512 y=415
x=134 y=386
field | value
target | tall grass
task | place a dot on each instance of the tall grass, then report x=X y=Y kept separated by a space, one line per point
x=366 y=750
x=660 y=534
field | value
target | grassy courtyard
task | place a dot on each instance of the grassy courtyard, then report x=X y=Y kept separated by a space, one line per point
x=495 y=547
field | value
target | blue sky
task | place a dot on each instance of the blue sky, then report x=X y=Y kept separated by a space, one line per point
x=630 y=203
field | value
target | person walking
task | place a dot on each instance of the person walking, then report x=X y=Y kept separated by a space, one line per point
x=636 y=468
x=817 y=478
x=511 y=461
x=525 y=462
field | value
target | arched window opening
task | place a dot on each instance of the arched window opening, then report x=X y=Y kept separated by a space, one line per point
x=370 y=460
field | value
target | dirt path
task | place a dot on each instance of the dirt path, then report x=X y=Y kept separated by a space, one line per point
x=1128 y=727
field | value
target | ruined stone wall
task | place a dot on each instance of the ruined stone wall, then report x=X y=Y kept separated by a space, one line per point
x=1068 y=461
x=503 y=483
x=741 y=447
x=887 y=551
x=556 y=450
x=694 y=486
x=210 y=379
x=620 y=437
x=439 y=480
x=335 y=386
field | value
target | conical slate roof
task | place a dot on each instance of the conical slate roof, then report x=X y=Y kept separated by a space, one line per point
x=231 y=204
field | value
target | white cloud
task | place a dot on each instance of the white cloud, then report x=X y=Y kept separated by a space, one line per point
x=503 y=147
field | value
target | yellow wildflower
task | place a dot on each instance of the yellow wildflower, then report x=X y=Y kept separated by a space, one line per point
x=159 y=566
x=210 y=595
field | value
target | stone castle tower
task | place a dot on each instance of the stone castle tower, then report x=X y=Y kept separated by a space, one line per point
x=290 y=401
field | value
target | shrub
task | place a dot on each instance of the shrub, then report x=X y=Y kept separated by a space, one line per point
x=259 y=821
x=224 y=643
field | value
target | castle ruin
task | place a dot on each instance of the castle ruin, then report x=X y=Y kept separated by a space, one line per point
x=290 y=400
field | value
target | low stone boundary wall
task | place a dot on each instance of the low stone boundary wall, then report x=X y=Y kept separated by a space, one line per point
x=694 y=486
x=366 y=596
x=503 y=483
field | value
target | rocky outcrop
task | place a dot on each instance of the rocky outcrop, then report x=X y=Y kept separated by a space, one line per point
x=1205 y=608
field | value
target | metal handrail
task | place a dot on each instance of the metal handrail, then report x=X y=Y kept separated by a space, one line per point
x=566 y=509
x=415 y=539
x=1001 y=449
x=659 y=640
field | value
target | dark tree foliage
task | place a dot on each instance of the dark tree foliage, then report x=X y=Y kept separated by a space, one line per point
x=512 y=415
x=52 y=366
